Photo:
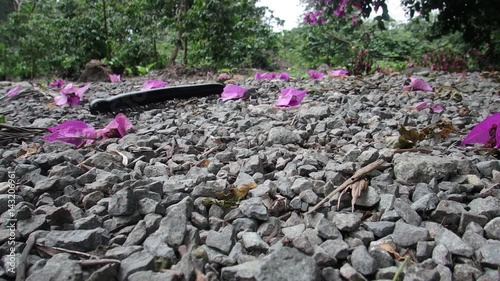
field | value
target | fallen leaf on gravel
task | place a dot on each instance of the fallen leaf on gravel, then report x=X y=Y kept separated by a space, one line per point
x=388 y=248
x=29 y=149
x=241 y=191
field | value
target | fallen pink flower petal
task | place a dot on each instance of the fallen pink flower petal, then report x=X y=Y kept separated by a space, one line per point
x=260 y=76
x=223 y=76
x=271 y=75
x=437 y=108
x=487 y=132
x=114 y=78
x=339 y=72
x=421 y=105
x=284 y=76
x=315 y=75
x=290 y=97
x=152 y=84
x=71 y=95
x=116 y=128
x=58 y=83
x=232 y=92
x=416 y=84
x=75 y=132
x=13 y=92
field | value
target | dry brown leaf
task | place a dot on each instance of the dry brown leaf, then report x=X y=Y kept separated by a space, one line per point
x=388 y=248
x=28 y=150
x=203 y=163
x=241 y=191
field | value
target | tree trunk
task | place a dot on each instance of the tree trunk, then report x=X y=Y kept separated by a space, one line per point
x=106 y=34
x=181 y=11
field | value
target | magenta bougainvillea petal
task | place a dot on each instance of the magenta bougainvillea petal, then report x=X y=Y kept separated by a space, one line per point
x=437 y=108
x=315 y=75
x=416 y=84
x=75 y=132
x=152 y=84
x=223 y=76
x=13 y=92
x=290 y=97
x=421 y=105
x=114 y=78
x=487 y=132
x=284 y=76
x=264 y=76
x=232 y=92
x=120 y=124
x=71 y=95
x=339 y=72
x=58 y=83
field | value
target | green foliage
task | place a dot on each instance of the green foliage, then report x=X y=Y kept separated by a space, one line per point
x=230 y=33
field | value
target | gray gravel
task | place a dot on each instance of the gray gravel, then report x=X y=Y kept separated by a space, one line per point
x=167 y=212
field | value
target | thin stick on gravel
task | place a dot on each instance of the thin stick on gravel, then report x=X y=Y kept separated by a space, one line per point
x=357 y=176
x=46 y=249
x=21 y=269
x=98 y=262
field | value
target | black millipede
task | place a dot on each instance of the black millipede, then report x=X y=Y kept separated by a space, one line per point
x=122 y=102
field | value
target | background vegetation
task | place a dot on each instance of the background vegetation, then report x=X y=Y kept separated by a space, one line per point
x=40 y=38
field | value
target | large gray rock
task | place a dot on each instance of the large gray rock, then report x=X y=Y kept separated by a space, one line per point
x=223 y=240
x=138 y=261
x=492 y=229
x=284 y=264
x=489 y=206
x=453 y=243
x=407 y=235
x=416 y=168
x=122 y=203
x=254 y=208
x=58 y=268
x=489 y=255
x=405 y=211
x=281 y=135
x=363 y=262
x=79 y=240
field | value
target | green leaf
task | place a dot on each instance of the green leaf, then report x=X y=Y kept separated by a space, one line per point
x=2 y=119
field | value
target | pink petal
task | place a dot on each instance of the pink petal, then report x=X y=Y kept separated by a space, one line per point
x=339 y=72
x=58 y=83
x=284 y=76
x=120 y=123
x=79 y=91
x=290 y=97
x=232 y=92
x=259 y=76
x=68 y=89
x=75 y=132
x=13 y=92
x=223 y=76
x=152 y=84
x=417 y=84
x=271 y=75
x=316 y=75
x=421 y=105
x=114 y=78
x=61 y=100
x=481 y=132
x=437 y=108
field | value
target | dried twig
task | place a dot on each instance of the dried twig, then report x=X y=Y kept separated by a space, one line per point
x=356 y=177
x=50 y=251
x=21 y=269
x=98 y=262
